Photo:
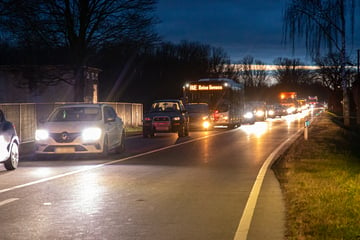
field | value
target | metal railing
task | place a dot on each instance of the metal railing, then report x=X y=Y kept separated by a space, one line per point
x=26 y=116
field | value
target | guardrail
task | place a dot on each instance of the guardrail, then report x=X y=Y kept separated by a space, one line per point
x=26 y=116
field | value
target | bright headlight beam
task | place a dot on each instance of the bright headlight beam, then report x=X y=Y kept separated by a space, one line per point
x=91 y=134
x=248 y=115
x=41 y=134
x=206 y=124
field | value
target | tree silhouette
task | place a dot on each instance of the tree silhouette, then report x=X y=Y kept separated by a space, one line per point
x=81 y=27
x=323 y=23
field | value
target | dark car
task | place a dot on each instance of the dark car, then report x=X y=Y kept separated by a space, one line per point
x=249 y=115
x=199 y=115
x=276 y=111
x=259 y=109
x=166 y=116
x=9 y=144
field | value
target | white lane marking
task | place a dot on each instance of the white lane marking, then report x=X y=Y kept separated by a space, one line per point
x=245 y=221
x=107 y=163
x=8 y=201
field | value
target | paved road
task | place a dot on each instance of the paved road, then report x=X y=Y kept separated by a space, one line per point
x=162 y=188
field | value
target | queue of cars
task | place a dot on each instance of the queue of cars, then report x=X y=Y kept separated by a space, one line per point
x=97 y=129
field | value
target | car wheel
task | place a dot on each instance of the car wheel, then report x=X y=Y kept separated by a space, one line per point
x=121 y=147
x=13 y=161
x=152 y=134
x=148 y=133
x=145 y=133
x=181 y=131
x=105 y=151
x=187 y=130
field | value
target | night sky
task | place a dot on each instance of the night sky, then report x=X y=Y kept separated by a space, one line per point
x=240 y=27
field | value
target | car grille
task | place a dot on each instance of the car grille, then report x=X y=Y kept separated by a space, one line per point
x=52 y=149
x=64 y=137
x=161 y=119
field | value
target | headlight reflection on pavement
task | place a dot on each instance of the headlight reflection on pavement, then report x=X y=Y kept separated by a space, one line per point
x=42 y=172
x=258 y=129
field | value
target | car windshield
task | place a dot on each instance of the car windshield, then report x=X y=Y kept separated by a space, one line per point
x=76 y=114
x=165 y=107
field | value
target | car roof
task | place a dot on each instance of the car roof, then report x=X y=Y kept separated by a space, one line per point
x=167 y=100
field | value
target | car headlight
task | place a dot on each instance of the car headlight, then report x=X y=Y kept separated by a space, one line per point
x=248 y=115
x=41 y=134
x=271 y=112
x=91 y=134
x=206 y=124
x=176 y=118
x=260 y=113
x=291 y=110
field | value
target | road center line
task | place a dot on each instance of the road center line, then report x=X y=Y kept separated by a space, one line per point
x=88 y=168
x=8 y=201
x=245 y=221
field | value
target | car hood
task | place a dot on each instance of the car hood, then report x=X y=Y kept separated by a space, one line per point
x=75 y=126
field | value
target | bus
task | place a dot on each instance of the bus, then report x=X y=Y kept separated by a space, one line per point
x=224 y=96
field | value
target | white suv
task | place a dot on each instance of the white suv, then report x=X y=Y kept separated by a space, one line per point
x=81 y=128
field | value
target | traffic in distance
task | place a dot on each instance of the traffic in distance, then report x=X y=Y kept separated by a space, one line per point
x=97 y=129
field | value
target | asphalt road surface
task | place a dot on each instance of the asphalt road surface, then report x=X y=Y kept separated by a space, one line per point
x=161 y=188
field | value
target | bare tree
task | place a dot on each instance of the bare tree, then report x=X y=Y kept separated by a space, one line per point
x=80 y=26
x=290 y=72
x=323 y=23
x=330 y=70
x=253 y=72
x=329 y=74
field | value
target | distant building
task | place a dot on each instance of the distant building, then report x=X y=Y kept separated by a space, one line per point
x=22 y=84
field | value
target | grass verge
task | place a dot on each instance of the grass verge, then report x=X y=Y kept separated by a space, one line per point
x=320 y=179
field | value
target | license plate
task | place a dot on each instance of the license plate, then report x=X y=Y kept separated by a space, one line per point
x=160 y=128
x=65 y=150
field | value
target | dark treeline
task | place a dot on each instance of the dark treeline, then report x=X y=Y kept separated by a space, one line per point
x=118 y=37
x=138 y=73
x=157 y=72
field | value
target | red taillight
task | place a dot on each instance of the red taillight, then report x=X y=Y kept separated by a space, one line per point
x=216 y=115
x=147 y=119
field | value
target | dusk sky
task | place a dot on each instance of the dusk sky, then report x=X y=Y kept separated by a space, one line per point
x=240 y=27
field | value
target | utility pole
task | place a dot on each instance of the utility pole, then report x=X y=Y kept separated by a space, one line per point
x=358 y=64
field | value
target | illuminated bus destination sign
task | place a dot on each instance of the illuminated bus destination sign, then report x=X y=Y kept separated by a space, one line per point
x=199 y=87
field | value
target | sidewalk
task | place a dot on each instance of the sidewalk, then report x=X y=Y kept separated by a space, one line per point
x=269 y=218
